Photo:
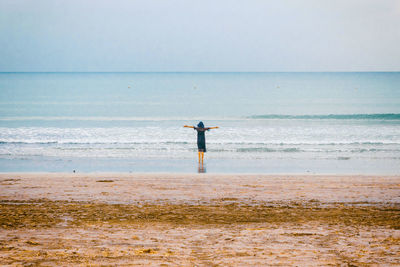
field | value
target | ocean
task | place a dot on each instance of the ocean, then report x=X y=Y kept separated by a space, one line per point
x=133 y=122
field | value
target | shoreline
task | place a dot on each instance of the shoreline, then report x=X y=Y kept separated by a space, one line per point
x=29 y=173
x=190 y=174
x=213 y=165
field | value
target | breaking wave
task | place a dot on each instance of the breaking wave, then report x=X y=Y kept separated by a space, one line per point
x=379 y=116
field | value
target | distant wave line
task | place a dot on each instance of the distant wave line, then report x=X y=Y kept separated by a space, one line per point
x=376 y=116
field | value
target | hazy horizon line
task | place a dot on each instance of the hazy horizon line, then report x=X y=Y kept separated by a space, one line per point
x=378 y=71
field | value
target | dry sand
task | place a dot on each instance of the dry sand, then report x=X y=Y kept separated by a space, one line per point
x=199 y=220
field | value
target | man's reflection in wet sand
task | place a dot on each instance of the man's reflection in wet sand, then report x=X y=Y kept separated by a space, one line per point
x=202 y=169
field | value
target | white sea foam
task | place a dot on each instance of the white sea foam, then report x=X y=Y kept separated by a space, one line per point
x=243 y=140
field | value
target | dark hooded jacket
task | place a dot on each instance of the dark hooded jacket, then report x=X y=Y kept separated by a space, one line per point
x=201 y=138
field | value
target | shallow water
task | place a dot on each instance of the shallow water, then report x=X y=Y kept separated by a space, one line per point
x=269 y=122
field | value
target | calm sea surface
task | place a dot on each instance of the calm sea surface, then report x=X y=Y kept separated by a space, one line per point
x=269 y=122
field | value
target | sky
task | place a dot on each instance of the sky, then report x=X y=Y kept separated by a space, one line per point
x=207 y=35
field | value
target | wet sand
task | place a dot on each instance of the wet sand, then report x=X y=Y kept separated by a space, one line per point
x=194 y=220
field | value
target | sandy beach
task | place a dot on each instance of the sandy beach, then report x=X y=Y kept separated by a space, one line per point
x=199 y=219
x=207 y=133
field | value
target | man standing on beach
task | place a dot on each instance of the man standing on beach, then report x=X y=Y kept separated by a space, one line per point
x=201 y=139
